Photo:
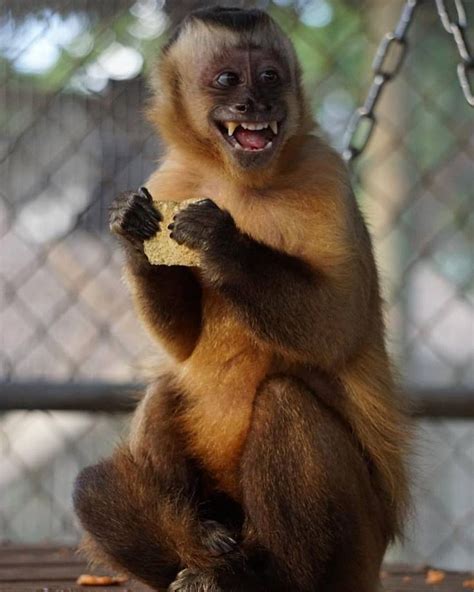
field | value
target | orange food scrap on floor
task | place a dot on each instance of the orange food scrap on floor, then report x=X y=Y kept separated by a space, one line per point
x=407 y=579
x=468 y=583
x=88 y=580
x=434 y=576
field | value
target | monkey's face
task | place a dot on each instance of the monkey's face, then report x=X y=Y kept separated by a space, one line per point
x=230 y=96
x=248 y=110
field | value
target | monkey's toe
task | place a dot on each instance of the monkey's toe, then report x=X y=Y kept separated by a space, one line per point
x=217 y=538
x=190 y=580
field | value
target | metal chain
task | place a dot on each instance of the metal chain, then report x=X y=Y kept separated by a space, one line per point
x=387 y=63
x=457 y=27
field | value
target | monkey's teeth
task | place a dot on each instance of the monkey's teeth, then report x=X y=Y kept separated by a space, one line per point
x=231 y=126
x=254 y=126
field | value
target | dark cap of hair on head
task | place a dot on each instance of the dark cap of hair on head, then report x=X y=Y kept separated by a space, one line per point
x=237 y=19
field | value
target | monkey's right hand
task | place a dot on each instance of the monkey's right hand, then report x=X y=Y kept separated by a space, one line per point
x=134 y=218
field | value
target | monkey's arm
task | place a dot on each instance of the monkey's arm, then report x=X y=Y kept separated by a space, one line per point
x=167 y=298
x=281 y=297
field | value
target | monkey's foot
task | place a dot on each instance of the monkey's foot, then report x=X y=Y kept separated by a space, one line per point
x=191 y=580
x=217 y=539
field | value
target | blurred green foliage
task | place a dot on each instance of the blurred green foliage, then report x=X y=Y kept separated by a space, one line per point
x=317 y=43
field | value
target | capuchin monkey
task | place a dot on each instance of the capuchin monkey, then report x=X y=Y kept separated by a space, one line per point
x=269 y=453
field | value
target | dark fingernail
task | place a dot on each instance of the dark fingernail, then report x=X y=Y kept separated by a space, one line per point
x=145 y=192
x=224 y=547
x=170 y=226
x=206 y=201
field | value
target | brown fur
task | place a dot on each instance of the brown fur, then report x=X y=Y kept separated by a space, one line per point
x=279 y=394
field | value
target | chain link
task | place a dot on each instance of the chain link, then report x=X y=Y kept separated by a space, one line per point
x=457 y=27
x=388 y=61
x=386 y=65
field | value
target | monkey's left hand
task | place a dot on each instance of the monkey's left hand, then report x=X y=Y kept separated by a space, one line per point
x=201 y=225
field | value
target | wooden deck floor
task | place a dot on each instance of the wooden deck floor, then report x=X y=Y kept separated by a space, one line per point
x=56 y=569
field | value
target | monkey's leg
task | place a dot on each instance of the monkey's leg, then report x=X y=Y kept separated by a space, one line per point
x=313 y=522
x=120 y=506
x=139 y=507
x=307 y=495
x=168 y=298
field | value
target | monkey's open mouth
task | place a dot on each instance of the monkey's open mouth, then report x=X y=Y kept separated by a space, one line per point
x=249 y=135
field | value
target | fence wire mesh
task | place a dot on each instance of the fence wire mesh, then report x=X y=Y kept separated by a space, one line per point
x=72 y=136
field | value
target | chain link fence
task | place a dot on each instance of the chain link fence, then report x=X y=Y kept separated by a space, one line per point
x=72 y=135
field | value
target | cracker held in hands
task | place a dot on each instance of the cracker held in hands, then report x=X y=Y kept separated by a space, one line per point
x=161 y=249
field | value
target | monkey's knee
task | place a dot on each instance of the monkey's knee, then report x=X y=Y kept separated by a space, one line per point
x=113 y=506
x=108 y=494
x=107 y=483
x=294 y=436
x=90 y=487
x=104 y=506
x=93 y=500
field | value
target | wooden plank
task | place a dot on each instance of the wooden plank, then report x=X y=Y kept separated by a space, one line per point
x=10 y=549
x=32 y=572
x=68 y=586
x=415 y=582
x=14 y=555
x=43 y=568
x=55 y=569
x=398 y=583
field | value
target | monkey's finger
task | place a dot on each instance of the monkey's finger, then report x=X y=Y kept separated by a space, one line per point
x=206 y=203
x=200 y=209
x=146 y=211
x=143 y=191
x=150 y=210
x=176 y=239
x=142 y=228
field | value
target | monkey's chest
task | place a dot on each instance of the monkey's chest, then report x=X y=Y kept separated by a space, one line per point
x=220 y=381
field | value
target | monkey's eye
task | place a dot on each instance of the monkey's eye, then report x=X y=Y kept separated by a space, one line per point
x=269 y=77
x=227 y=79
